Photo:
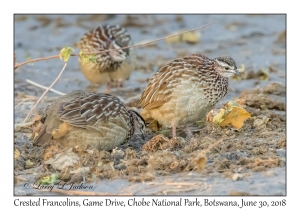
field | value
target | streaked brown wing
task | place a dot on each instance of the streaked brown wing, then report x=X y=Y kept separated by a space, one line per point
x=100 y=38
x=163 y=82
x=87 y=109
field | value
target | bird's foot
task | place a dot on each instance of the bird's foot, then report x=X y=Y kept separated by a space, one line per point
x=189 y=133
x=107 y=90
x=120 y=84
x=210 y=116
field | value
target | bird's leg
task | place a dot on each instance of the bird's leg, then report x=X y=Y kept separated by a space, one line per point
x=174 y=131
x=107 y=88
x=189 y=133
x=120 y=84
x=209 y=117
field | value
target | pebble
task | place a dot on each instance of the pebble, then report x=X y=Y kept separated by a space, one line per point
x=236 y=177
x=229 y=132
x=281 y=152
x=269 y=174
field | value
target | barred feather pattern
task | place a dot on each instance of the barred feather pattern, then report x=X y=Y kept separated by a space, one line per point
x=89 y=108
x=196 y=69
x=100 y=120
x=100 y=39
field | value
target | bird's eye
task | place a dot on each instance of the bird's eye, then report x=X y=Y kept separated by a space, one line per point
x=227 y=68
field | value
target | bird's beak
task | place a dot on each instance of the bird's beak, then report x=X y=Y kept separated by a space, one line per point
x=237 y=73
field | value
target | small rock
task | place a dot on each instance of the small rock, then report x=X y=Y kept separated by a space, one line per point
x=117 y=155
x=233 y=156
x=63 y=160
x=237 y=177
x=20 y=179
x=229 y=132
x=258 y=123
x=281 y=152
x=269 y=174
x=261 y=123
x=120 y=166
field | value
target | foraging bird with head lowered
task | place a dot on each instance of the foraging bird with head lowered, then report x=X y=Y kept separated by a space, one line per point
x=114 y=66
x=99 y=120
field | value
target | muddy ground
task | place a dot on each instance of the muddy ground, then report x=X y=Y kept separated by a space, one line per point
x=217 y=161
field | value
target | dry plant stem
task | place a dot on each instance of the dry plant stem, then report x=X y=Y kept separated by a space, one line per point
x=179 y=189
x=21 y=102
x=174 y=183
x=171 y=191
x=45 y=92
x=44 y=87
x=156 y=40
x=17 y=65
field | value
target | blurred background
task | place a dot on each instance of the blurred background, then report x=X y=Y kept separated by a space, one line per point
x=256 y=42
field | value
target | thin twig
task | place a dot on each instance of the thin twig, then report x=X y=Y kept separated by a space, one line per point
x=21 y=102
x=148 y=43
x=38 y=59
x=173 y=191
x=17 y=65
x=45 y=92
x=44 y=87
x=174 y=183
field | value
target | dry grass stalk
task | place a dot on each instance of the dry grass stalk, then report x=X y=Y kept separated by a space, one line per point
x=17 y=65
x=45 y=92
x=21 y=102
x=181 y=189
x=44 y=87
x=174 y=183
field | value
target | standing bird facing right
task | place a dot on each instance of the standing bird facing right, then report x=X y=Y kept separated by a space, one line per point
x=185 y=89
x=113 y=66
